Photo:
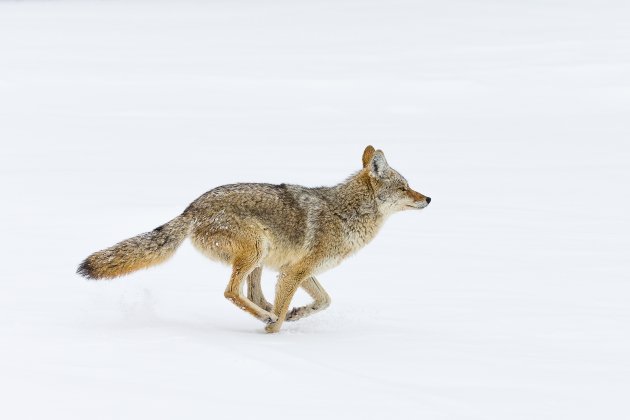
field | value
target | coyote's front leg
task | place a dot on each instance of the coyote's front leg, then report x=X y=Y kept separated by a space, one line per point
x=321 y=299
x=288 y=282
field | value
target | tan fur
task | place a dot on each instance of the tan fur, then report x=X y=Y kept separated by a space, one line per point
x=139 y=252
x=368 y=153
x=296 y=230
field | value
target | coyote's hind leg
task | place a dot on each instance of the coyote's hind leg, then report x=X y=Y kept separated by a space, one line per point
x=321 y=300
x=242 y=267
x=254 y=290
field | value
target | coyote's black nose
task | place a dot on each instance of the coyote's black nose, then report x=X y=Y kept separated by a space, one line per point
x=428 y=200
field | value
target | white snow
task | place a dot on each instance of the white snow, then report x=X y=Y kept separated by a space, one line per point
x=507 y=298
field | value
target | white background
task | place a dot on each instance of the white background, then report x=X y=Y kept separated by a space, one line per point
x=507 y=298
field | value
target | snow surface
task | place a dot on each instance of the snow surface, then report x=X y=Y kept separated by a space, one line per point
x=507 y=298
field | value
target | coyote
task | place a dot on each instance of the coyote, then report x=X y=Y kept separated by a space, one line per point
x=298 y=231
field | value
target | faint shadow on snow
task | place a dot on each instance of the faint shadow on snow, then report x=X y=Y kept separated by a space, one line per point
x=141 y=310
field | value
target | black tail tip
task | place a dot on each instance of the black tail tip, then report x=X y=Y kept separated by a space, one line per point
x=85 y=269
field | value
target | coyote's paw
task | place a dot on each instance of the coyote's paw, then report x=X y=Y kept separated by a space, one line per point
x=269 y=318
x=295 y=314
x=273 y=327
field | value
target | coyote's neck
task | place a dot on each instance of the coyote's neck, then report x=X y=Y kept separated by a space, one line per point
x=355 y=204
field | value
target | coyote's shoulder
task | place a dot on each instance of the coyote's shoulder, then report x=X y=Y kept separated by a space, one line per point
x=297 y=230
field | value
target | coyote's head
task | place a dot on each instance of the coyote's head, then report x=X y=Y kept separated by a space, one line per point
x=391 y=188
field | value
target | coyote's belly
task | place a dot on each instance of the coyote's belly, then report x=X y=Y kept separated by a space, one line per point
x=225 y=249
x=227 y=237
x=276 y=258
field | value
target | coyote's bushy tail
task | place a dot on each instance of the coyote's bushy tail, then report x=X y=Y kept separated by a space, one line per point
x=141 y=251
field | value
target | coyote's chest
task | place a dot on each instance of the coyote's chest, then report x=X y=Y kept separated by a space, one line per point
x=351 y=243
x=354 y=238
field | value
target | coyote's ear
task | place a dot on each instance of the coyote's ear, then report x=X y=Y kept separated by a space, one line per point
x=378 y=165
x=367 y=155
